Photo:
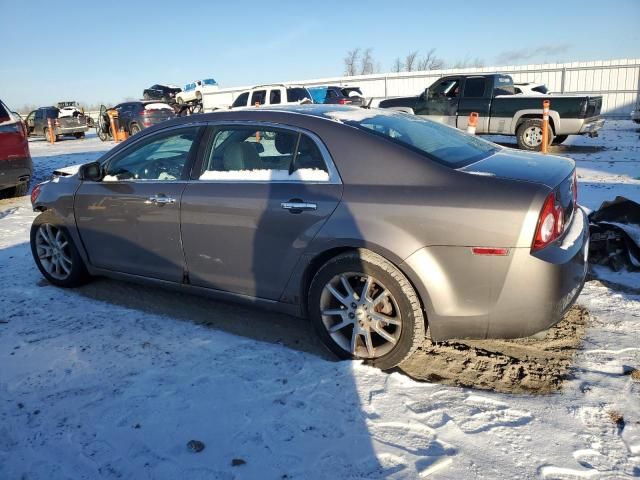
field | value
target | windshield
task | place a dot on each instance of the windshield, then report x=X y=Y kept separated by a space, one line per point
x=209 y=81
x=438 y=142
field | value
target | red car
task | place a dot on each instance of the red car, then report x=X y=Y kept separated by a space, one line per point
x=16 y=167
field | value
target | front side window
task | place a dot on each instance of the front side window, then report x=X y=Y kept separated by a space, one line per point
x=162 y=157
x=241 y=101
x=258 y=97
x=246 y=153
x=449 y=88
x=275 y=97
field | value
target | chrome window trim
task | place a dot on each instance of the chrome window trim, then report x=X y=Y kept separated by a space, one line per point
x=334 y=175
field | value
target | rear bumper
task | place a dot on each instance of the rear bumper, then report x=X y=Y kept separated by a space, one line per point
x=15 y=171
x=591 y=127
x=71 y=130
x=518 y=295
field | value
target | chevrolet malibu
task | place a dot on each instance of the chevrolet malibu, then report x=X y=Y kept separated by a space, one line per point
x=376 y=225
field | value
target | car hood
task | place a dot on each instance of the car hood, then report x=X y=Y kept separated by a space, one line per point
x=512 y=164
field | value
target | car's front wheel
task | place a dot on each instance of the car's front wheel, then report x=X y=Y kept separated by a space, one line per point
x=363 y=307
x=56 y=255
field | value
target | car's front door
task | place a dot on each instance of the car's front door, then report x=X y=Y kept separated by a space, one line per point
x=258 y=199
x=440 y=101
x=130 y=221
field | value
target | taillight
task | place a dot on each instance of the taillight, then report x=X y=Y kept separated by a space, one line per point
x=344 y=101
x=35 y=193
x=550 y=223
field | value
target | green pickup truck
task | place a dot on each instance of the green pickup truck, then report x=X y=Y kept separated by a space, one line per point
x=451 y=99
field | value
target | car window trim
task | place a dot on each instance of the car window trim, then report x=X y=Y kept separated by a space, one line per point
x=334 y=175
x=188 y=166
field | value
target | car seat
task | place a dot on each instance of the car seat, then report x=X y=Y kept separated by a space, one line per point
x=240 y=156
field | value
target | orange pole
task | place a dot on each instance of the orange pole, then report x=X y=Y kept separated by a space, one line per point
x=545 y=126
x=473 y=123
x=52 y=134
x=114 y=129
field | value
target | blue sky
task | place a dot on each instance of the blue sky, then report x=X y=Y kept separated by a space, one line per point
x=106 y=51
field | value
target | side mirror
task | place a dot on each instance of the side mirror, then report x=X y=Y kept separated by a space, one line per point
x=90 y=171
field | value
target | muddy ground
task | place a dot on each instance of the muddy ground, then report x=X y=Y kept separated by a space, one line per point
x=523 y=365
x=512 y=366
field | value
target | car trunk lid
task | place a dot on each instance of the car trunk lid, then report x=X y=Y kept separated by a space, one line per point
x=557 y=173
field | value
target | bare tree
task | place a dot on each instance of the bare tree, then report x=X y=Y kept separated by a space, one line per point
x=430 y=61
x=398 y=66
x=351 y=62
x=410 y=61
x=469 y=63
x=367 y=63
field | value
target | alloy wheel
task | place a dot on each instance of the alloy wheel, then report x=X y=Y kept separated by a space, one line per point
x=532 y=136
x=53 y=250
x=361 y=315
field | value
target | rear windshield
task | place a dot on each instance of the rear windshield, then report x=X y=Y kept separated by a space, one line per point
x=4 y=113
x=438 y=142
x=297 y=94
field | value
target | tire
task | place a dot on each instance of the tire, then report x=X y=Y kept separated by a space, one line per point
x=146 y=96
x=20 y=190
x=180 y=101
x=68 y=269
x=102 y=135
x=399 y=304
x=559 y=139
x=134 y=128
x=78 y=135
x=46 y=134
x=529 y=135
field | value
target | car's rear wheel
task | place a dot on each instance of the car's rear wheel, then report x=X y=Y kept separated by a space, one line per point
x=134 y=128
x=180 y=101
x=78 y=135
x=56 y=255
x=363 y=307
x=558 y=139
x=529 y=135
x=146 y=96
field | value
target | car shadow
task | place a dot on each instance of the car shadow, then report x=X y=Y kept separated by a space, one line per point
x=249 y=322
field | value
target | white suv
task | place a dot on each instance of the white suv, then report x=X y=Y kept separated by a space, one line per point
x=273 y=95
x=193 y=91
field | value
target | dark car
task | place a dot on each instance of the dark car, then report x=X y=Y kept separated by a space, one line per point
x=453 y=98
x=375 y=224
x=15 y=160
x=166 y=93
x=337 y=95
x=138 y=115
x=38 y=123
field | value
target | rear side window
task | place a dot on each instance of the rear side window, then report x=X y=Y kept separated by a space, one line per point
x=347 y=91
x=259 y=97
x=541 y=89
x=297 y=94
x=242 y=153
x=241 y=101
x=503 y=86
x=275 y=97
x=474 y=87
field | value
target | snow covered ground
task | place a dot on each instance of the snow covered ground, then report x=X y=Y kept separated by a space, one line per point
x=94 y=386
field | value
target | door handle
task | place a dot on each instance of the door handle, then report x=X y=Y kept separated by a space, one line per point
x=298 y=206
x=159 y=200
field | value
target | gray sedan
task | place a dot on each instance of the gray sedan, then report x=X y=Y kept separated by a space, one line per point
x=373 y=224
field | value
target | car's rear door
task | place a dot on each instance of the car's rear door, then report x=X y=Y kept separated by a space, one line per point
x=130 y=221
x=476 y=97
x=261 y=194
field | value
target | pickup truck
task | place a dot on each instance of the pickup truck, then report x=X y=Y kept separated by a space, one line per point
x=451 y=99
x=37 y=123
